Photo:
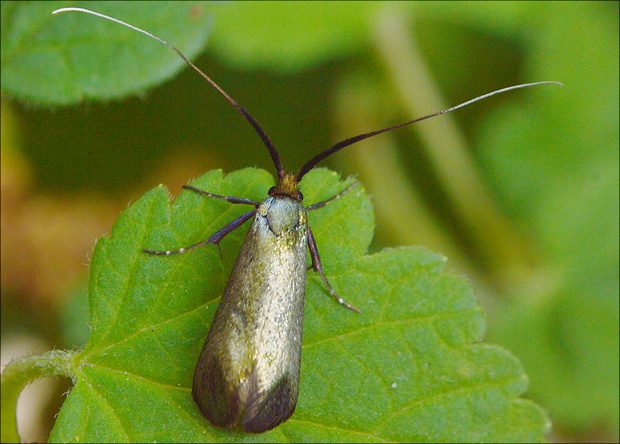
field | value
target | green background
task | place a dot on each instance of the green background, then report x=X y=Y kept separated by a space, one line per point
x=543 y=255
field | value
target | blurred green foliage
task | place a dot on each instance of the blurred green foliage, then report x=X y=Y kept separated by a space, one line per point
x=549 y=157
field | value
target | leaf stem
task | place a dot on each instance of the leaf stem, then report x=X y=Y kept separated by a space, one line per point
x=504 y=250
x=23 y=371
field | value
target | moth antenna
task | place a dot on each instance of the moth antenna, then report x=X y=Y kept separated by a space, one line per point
x=350 y=141
x=275 y=156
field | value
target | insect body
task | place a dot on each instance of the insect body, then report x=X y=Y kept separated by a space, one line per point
x=248 y=370
x=247 y=374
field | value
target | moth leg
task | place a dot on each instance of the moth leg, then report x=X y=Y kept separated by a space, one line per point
x=316 y=265
x=231 y=199
x=219 y=235
x=325 y=202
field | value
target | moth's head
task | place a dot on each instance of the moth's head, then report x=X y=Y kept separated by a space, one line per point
x=287 y=186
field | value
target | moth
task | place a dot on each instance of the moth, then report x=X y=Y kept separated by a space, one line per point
x=247 y=375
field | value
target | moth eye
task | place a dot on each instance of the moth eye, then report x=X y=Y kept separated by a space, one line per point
x=271 y=191
x=300 y=196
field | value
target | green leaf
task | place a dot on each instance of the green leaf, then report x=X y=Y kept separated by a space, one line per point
x=69 y=57
x=407 y=368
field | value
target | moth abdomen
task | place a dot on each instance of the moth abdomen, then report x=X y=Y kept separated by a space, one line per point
x=218 y=402
x=268 y=409
x=244 y=405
